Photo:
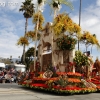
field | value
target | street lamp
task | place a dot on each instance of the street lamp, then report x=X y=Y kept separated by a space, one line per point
x=79 y=19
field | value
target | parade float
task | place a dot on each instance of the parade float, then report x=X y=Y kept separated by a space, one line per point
x=59 y=68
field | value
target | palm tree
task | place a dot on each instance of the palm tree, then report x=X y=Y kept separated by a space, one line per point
x=40 y=3
x=28 y=8
x=55 y=4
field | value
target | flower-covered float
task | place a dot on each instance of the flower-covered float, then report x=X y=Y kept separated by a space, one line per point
x=59 y=68
x=60 y=82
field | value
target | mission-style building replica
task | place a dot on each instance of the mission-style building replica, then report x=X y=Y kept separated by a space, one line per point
x=49 y=53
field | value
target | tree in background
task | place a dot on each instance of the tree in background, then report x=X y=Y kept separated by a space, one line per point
x=27 y=8
x=29 y=56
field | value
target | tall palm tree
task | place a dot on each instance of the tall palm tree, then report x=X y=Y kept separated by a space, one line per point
x=55 y=4
x=39 y=4
x=27 y=8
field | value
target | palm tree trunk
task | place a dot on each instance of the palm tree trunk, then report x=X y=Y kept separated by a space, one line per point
x=36 y=41
x=23 y=54
x=55 y=12
x=26 y=23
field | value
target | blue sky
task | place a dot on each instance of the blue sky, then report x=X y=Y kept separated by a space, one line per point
x=12 y=24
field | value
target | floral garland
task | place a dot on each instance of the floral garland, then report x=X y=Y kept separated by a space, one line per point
x=66 y=43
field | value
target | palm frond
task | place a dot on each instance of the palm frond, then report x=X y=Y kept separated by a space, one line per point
x=67 y=3
x=27 y=8
x=55 y=3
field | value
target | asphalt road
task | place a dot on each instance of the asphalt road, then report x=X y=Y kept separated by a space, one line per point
x=13 y=91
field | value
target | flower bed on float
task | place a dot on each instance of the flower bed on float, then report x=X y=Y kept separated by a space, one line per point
x=63 y=83
x=96 y=81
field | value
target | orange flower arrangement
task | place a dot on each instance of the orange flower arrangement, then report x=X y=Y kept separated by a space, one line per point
x=42 y=79
x=54 y=78
x=66 y=43
x=74 y=74
x=73 y=80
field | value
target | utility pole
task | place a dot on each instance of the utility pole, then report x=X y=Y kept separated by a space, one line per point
x=79 y=19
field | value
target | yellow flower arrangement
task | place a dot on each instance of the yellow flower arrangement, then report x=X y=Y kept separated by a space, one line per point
x=77 y=28
x=41 y=76
x=23 y=40
x=35 y=17
x=88 y=38
x=31 y=35
x=80 y=59
x=50 y=83
x=41 y=19
x=63 y=23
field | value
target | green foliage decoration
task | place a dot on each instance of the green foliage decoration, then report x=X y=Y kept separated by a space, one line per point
x=81 y=59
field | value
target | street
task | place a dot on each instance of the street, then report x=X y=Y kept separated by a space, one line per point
x=13 y=91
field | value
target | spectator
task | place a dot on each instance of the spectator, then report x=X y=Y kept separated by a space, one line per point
x=8 y=78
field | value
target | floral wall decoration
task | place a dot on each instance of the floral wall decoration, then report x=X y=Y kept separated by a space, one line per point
x=66 y=43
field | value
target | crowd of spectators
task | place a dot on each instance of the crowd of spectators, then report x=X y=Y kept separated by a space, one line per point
x=10 y=76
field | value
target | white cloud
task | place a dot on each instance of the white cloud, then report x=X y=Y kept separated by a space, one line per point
x=8 y=39
x=90 y=21
x=10 y=32
x=98 y=2
x=8 y=45
x=12 y=5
